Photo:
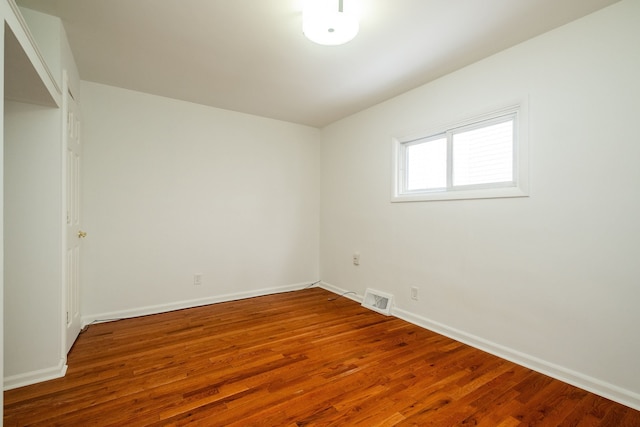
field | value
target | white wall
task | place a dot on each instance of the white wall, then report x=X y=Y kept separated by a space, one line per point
x=45 y=30
x=33 y=214
x=3 y=11
x=51 y=38
x=32 y=242
x=550 y=280
x=173 y=188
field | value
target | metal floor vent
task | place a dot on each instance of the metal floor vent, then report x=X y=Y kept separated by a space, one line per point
x=377 y=301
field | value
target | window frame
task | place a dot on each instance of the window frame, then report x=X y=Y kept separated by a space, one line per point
x=519 y=187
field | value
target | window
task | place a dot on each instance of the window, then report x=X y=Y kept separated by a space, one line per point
x=481 y=158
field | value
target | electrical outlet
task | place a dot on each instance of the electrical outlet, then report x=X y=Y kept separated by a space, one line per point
x=414 y=293
x=356 y=258
x=197 y=279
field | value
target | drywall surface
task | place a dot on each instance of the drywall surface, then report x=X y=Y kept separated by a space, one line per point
x=47 y=32
x=32 y=242
x=173 y=189
x=51 y=38
x=549 y=280
x=34 y=173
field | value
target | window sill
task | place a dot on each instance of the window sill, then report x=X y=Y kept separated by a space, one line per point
x=486 y=193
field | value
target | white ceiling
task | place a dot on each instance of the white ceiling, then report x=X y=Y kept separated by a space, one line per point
x=251 y=56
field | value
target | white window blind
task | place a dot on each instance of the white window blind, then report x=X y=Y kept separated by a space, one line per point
x=484 y=155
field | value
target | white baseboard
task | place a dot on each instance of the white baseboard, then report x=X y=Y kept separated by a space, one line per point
x=29 y=378
x=341 y=292
x=585 y=382
x=163 y=308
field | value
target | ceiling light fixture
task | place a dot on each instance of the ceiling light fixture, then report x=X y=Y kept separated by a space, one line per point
x=330 y=22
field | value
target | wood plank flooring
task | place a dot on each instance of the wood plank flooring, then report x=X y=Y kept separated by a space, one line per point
x=295 y=359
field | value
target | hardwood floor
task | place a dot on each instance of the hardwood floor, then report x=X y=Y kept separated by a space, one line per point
x=295 y=359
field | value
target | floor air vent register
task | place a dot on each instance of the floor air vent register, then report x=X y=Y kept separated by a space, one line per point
x=377 y=301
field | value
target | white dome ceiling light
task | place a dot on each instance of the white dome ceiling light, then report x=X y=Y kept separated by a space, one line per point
x=330 y=22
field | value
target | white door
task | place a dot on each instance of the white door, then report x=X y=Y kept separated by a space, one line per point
x=74 y=232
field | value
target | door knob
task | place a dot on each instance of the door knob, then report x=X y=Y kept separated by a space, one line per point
x=82 y=234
